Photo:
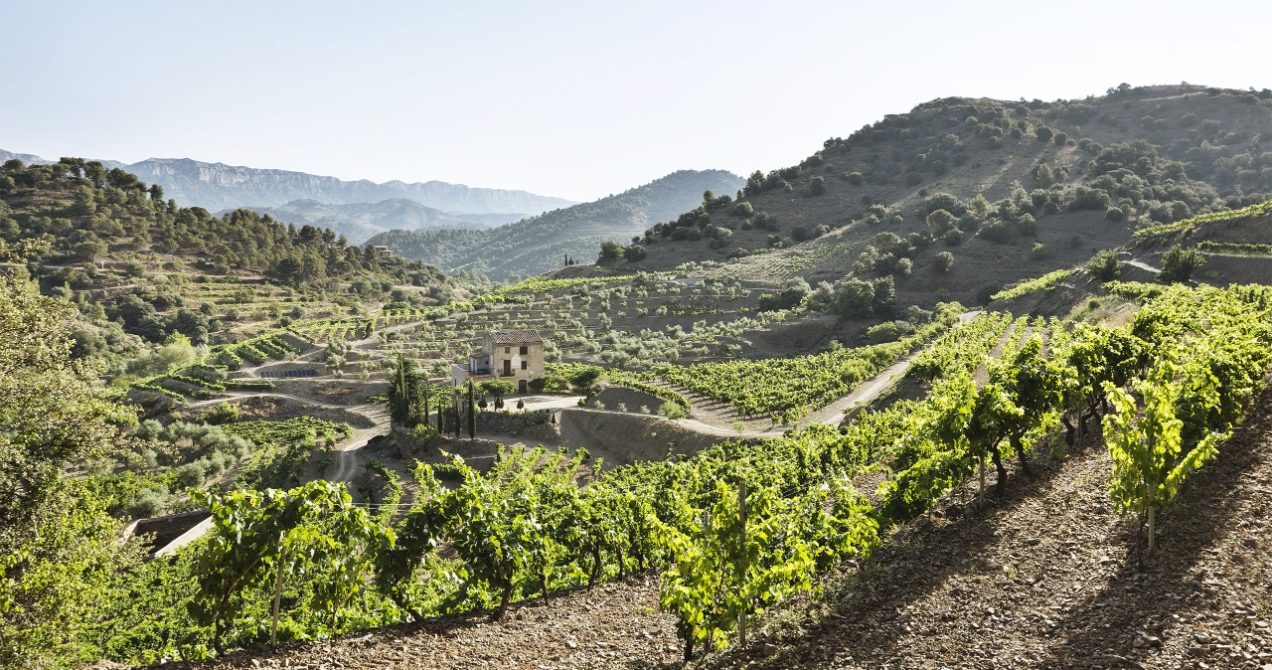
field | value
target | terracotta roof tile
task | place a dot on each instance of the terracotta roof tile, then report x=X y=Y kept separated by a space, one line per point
x=516 y=337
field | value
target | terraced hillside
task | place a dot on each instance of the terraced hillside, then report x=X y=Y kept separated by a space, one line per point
x=1031 y=187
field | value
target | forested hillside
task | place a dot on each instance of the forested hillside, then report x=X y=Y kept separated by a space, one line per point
x=360 y=221
x=543 y=242
x=966 y=195
x=139 y=264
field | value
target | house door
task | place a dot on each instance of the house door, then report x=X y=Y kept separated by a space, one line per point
x=522 y=387
x=507 y=367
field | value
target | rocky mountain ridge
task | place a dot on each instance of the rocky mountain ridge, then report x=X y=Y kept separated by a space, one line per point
x=540 y=243
x=217 y=186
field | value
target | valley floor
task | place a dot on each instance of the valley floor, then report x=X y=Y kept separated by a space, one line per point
x=1045 y=577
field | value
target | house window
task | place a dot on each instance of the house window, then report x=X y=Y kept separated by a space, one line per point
x=507 y=350
x=525 y=350
x=525 y=365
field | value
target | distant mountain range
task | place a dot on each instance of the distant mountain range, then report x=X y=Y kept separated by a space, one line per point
x=216 y=186
x=359 y=221
x=540 y=243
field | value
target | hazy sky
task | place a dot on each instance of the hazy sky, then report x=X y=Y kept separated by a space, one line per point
x=572 y=99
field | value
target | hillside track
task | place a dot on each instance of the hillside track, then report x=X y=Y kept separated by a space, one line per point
x=1048 y=577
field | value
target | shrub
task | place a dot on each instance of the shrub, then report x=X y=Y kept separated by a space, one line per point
x=821 y=230
x=612 y=251
x=222 y=413
x=855 y=178
x=953 y=238
x=1089 y=198
x=885 y=296
x=1104 y=266
x=996 y=232
x=904 y=267
x=856 y=298
x=947 y=202
x=817 y=186
x=799 y=233
x=941 y=221
x=985 y=293
x=1061 y=139
x=1039 y=251
x=672 y=411
x=1044 y=176
x=1179 y=264
x=1114 y=214
x=742 y=209
x=944 y=262
x=1026 y=225
x=884 y=332
x=1043 y=133
x=635 y=253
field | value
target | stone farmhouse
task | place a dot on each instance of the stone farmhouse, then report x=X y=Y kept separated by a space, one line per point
x=510 y=355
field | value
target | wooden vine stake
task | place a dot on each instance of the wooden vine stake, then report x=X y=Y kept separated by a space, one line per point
x=278 y=595
x=742 y=519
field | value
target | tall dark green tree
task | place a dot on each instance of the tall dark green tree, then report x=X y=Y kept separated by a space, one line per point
x=472 y=412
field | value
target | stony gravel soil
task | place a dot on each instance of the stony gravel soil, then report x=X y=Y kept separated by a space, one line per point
x=616 y=625
x=1045 y=577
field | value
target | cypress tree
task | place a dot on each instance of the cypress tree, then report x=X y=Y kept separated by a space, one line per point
x=472 y=413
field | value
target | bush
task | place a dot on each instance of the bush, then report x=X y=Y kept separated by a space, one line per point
x=222 y=413
x=1044 y=176
x=425 y=433
x=1026 y=225
x=884 y=332
x=941 y=221
x=1104 y=266
x=953 y=238
x=612 y=251
x=944 y=262
x=985 y=293
x=1039 y=251
x=1089 y=198
x=817 y=186
x=742 y=209
x=1043 y=133
x=856 y=299
x=1114 y=214
x=1179 y=264
x=855 y=178
x=1061 y=139
x=904 y=267
x=635 y=253
x=885 y=296
x=996 y=232
x=673 y=411
x=799 y=233
x=947 y=202
x=190 y=475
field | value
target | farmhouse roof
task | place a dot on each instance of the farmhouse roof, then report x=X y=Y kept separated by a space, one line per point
x=516 y=337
